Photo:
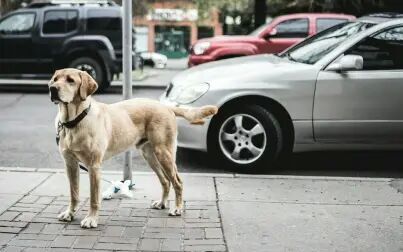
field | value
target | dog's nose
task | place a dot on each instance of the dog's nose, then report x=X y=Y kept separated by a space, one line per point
x=53 y=93
x=53 y=90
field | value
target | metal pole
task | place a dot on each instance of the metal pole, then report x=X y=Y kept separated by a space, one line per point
x=127 y=71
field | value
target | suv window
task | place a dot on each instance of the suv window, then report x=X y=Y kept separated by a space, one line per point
x=18 y=24
x=59 y=21
x=293 y=28
x=101 y=20
x=383 y=51
x=324 y=23
x=106 y=22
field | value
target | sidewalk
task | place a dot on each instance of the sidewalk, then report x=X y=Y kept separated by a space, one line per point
x=223 y=212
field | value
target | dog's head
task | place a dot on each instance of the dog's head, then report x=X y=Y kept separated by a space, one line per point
x=71 y=85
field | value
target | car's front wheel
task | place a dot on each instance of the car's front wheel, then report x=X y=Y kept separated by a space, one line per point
x=247 y=138
x=93 y=68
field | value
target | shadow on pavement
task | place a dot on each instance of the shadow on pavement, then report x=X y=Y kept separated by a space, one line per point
x=345 y=163
x=190 y=160
x=376 y=164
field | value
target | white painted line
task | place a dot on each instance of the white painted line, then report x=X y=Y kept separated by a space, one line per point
x=23 y=82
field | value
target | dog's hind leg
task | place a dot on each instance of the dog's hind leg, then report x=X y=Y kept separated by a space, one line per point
x=166 y=159
x=73 y=175
x=152 y=161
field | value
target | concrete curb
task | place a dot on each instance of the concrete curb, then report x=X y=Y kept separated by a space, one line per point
x=215 y=175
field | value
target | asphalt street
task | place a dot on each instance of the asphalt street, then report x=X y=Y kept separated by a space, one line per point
x=27 y=139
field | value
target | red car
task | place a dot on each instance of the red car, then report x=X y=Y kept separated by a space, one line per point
x=274 y=37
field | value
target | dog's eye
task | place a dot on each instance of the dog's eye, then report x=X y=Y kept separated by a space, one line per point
x=55 y=79
x=69 y=79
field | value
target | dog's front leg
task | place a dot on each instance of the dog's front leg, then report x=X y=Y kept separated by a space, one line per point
x=73 y=176
x=91 y=220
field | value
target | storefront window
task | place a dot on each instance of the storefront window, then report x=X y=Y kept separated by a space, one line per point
x=172 y=41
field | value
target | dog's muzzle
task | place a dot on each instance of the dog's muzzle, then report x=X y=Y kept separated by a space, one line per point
x=54 y=94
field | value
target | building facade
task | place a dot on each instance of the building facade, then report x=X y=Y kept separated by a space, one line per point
x=171 y=27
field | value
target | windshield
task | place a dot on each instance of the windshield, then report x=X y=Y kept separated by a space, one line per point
x=18 y=23
x=316 y=47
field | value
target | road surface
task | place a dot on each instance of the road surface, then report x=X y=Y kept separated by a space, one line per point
x=27 y=139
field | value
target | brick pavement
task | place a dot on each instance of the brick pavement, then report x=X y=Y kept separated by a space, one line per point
x=31 y=224
x=257 y=213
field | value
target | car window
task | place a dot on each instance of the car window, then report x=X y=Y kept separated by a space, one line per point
x=59 y=21
x=383 y=51
x=324 y=23
x=18 y=24
x=72 y=18
x=293 y=28
x=259 y=30
x=316 y=47
x=101 y=20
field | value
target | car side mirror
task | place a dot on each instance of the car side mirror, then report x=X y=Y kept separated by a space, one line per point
x=347 y=63
x=271 y=34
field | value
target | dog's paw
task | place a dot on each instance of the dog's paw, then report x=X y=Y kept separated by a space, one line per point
x=158 y=205
x=66 y=215
x=175 y=212
x=89 y=222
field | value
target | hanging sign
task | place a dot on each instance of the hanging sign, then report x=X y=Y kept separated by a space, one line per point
x=173 y=15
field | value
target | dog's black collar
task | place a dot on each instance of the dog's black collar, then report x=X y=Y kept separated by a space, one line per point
x=72 y=123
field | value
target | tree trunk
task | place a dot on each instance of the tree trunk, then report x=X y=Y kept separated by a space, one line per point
x=3 y=6
x=260 y=11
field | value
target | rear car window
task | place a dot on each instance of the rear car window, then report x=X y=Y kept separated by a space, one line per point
x=293 y=28
x=60 y=21
x=102 y=20
x=324 y=23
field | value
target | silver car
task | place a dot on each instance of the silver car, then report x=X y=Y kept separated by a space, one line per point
x=340 y=89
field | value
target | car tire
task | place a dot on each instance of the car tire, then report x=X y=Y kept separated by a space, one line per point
x=94 y=68
x=257 y=134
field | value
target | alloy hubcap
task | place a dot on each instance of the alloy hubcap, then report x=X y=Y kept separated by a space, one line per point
x=242 y=139
x=88 y=68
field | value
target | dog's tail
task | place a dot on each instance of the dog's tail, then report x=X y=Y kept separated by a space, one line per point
x=195 y=115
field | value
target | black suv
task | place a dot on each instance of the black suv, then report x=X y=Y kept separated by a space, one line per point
x=42 y=37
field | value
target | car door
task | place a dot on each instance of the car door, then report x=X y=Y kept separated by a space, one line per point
x=364 y=106
x=17 y=52
x=58 y=25
x=286 y=34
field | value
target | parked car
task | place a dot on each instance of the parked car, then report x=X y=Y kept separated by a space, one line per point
x=274 y=37
x=42 y=37
x=154 y=59
x=339 y=89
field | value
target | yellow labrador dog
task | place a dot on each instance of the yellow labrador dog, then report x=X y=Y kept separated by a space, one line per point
x=91 y=132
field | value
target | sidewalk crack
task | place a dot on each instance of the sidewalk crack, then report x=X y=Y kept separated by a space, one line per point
x=219 y=213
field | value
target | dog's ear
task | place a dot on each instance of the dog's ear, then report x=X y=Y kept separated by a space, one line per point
x=88 y=85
